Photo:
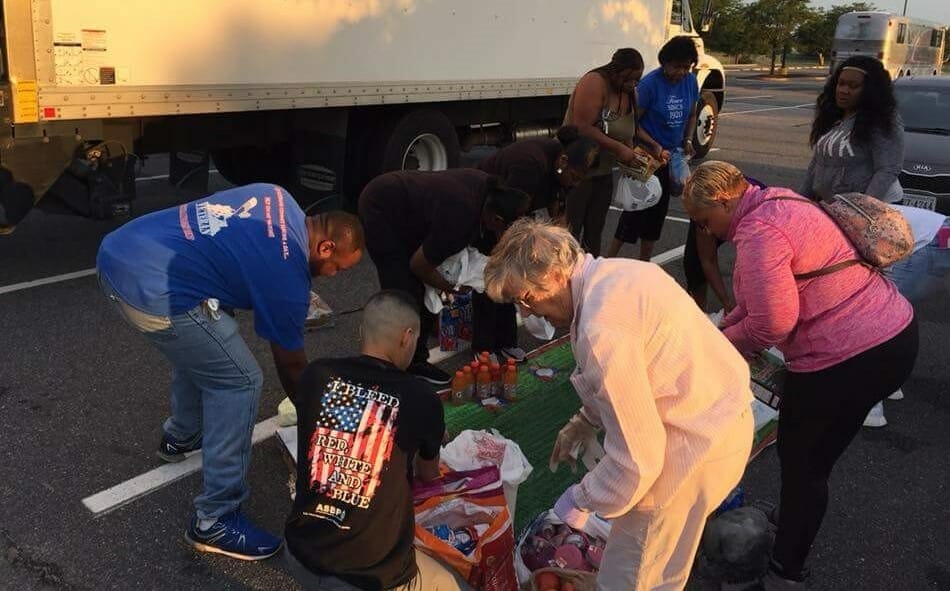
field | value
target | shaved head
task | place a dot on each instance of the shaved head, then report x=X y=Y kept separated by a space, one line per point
x=387 y=316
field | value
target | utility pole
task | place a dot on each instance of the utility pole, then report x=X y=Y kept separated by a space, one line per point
x=905 y=8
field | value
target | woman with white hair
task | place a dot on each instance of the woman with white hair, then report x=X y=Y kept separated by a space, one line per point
x=849 y=338
x=669 y=392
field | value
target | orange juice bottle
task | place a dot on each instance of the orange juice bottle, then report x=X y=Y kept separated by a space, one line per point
x=510 y=381
x=469 y=382
x=457 y=395
x=483 y=383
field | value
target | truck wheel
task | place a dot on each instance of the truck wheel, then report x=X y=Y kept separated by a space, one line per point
x=707 y=122
x=421 y=140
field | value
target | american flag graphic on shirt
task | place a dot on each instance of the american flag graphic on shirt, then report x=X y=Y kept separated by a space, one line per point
x=352 y=442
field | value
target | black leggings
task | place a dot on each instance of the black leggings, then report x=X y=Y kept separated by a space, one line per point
x=822 y=412
x=695 y=276
x=586 y=213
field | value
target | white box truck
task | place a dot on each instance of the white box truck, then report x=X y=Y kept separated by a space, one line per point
x=317 y=95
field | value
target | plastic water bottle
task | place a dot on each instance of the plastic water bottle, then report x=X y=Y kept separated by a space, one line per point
x=483 y=383
x=469 y=382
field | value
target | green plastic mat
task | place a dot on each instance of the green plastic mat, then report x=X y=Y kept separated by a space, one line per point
x=533 y=421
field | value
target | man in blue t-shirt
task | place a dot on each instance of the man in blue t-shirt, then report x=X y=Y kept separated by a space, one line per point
x=666 y=109
x=177 y=275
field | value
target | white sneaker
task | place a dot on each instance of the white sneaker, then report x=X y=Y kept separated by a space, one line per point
x=876 y=418
x=897 y=395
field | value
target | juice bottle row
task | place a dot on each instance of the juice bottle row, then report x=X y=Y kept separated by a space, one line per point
x=484 y=379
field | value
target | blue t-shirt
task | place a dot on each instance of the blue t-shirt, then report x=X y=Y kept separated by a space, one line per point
x=667 y=106
x=245 y=246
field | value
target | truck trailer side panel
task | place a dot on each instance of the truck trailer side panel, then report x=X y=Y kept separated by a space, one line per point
x=121 y=58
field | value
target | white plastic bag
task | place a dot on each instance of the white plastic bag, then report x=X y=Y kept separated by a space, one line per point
x=474 y=449
x=595 y=526
x=717 y=317
x=319 y=314
x=539 y=327
x=634 y=195
x=286 y=413
x=466 y=267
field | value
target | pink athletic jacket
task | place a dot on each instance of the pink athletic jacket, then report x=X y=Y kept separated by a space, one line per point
x=816 y=323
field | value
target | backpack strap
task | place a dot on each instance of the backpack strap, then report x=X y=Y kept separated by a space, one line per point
x=824 y=270
x=828 y=270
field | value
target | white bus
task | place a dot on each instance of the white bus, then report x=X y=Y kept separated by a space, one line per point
x=906 y=46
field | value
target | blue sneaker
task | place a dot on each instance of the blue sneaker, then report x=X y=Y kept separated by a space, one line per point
x=233 y=535
x=173 y=450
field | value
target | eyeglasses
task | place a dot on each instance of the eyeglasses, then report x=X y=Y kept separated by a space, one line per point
x=525 y=300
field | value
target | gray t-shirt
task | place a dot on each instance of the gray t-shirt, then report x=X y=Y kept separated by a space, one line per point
x=841 y=165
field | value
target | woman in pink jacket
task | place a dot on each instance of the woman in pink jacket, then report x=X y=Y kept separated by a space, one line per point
x=849 y=338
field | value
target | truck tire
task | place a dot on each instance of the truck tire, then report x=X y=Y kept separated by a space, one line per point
x=421 y=140
x=707 y=123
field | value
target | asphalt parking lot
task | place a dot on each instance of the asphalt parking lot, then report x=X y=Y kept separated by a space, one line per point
x=82 y=400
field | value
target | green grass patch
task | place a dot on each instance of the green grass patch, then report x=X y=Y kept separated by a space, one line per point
x=542 y=408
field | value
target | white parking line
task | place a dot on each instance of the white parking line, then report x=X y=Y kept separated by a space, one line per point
x=135 y=488
x=47 y=281
x=766 y=109
x=143 y=484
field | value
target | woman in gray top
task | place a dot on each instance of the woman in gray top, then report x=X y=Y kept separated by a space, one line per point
x=858 y=143
x=857 y=135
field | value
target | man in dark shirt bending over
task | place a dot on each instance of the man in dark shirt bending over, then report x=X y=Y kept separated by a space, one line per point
x=365 y=427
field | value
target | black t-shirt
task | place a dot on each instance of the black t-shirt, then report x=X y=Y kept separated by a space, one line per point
x=360 y=423
x=528 y=165
x=440 y=211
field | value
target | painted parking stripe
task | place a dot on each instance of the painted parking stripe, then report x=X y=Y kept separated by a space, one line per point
x=143 y=484
x=47 y=281
x=763 y=110
x=135 y=488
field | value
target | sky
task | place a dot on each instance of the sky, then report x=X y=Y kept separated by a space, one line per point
x=931 y=10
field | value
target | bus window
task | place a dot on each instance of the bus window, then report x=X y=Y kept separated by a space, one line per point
x=936 y=38
x=676 y=13
x=902 y=34
x=687 y=17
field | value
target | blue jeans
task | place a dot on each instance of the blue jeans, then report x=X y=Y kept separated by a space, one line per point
x=216 y=386
x=920 y=274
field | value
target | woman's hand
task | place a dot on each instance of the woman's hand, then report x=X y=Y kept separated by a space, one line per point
x=626 y=155
x=661 y=153
x=688 y=149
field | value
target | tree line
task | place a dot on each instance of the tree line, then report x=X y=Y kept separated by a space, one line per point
x=774 y=27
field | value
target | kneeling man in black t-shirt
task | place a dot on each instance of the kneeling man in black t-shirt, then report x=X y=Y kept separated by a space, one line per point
x=365 y=426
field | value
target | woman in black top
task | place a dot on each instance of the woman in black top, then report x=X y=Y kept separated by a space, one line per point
x=415 y=220
x=546 y=169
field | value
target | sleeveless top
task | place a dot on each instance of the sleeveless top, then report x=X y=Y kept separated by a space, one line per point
x=622 y=128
